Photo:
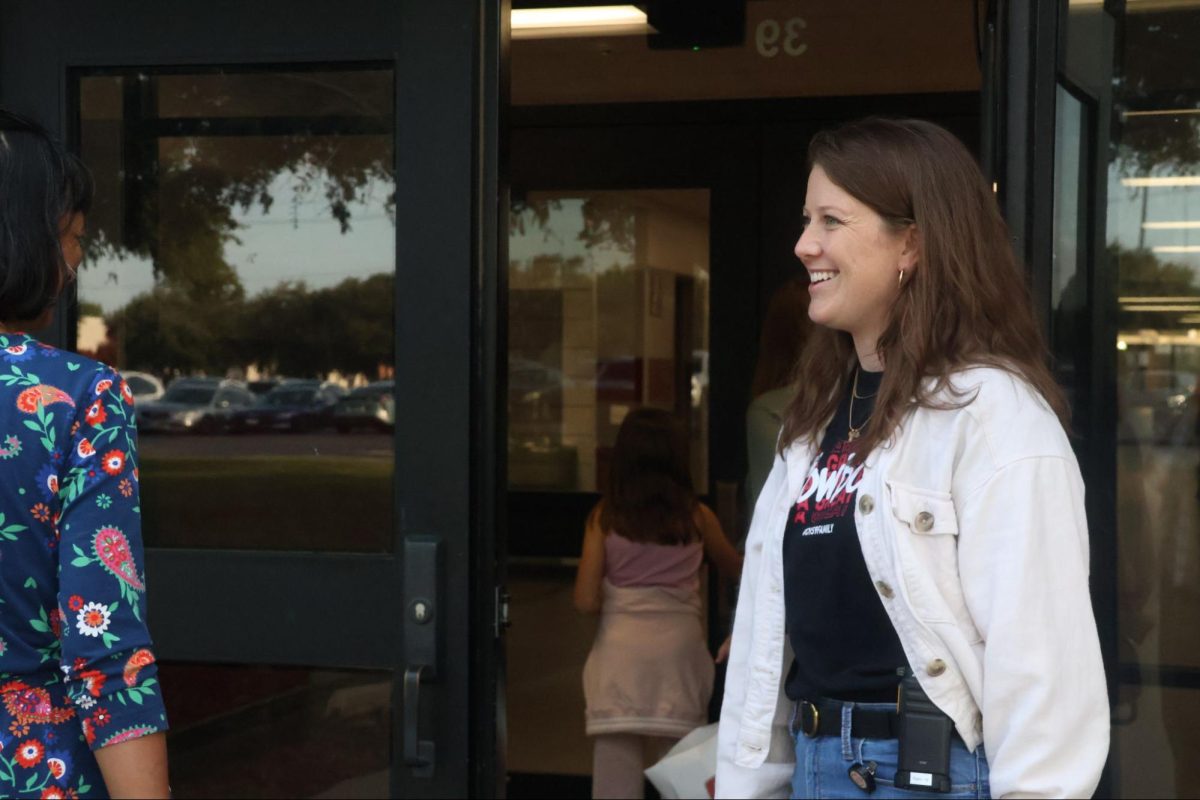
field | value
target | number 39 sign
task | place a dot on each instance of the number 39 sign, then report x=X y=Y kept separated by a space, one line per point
x=771 y=37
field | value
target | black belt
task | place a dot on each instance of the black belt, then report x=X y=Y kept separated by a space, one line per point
x=823 y=717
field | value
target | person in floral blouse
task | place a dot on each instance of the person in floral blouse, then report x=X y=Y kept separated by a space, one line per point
x=81 y=712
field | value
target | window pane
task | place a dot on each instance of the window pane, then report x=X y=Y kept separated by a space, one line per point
x=608 y=311
x=1154 y=238
x=1069 y=290
x=544 y=697
x=241 y=271
x=265 y=731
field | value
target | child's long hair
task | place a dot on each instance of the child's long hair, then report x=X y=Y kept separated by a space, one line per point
x=650 y=497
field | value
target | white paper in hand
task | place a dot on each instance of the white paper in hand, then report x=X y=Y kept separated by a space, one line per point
x=687 y=771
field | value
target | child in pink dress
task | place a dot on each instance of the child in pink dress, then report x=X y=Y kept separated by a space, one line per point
x=649 y=676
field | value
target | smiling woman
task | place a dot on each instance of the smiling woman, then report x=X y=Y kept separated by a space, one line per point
x=851 y=256
x=923 y=530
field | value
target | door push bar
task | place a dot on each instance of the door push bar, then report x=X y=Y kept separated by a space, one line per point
x=422 y=579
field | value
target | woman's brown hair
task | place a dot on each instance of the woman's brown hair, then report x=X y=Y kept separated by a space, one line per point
x=966 y=302
x=650 y=497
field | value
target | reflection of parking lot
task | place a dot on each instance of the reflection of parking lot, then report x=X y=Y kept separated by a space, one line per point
x=359 y=445
x=320 y=491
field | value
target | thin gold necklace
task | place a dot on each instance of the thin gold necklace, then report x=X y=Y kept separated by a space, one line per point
x=853 y=432
x=854 y=390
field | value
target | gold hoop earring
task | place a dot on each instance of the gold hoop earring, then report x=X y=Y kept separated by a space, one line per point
x=901 y=281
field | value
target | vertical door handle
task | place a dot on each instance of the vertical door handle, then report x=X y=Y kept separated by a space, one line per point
x=422 y=581
x=418 y=752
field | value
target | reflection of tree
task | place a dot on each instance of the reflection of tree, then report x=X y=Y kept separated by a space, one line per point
x=608 y=219
x=176 y=158
x=528 y=213
x=194 y=204
x=1157 y=71
x=1159 y=145
x=168 y=332
x=349 y=327
x=1142 y=274
x=547 y=271
x=185 y=224
x=289 y=330
x=179 y=159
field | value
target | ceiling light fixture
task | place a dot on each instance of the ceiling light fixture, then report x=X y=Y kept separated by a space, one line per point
x=1135 y=6
x=1162 y=308
x=1172 y=248
x=1163 y=112
x=1175 y=180
x=1182 y=298
x=545 y=23
x=1172 y=226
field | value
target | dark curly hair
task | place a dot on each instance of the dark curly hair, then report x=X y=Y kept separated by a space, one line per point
x=41 y=182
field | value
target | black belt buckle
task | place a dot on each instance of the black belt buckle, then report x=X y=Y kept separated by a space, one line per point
x=810 y=719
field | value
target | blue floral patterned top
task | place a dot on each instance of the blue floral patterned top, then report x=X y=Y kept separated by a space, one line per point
x=76 y=669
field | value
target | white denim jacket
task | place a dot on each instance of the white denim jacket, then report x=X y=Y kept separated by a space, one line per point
x=972 y=526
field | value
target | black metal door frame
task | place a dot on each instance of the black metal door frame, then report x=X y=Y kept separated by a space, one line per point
x=1024 y=48
x=448 y=60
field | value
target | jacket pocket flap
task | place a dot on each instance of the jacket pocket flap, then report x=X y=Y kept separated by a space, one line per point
x=925 y=511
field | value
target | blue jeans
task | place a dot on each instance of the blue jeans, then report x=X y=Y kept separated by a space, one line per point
x=822 y=764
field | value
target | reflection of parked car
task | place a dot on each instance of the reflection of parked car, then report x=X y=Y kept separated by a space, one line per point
x=1154 y=401
x=263 y=385
x=294 y=405
x=145 y=387
x=373 y=405
x=201 y=405
x=535 y=391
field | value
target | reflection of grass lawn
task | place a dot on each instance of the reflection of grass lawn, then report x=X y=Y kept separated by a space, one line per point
x=268 y=502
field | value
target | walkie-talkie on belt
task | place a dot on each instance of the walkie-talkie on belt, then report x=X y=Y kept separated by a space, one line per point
x=925 y=732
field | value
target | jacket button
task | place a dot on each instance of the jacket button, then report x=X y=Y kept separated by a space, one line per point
x=866 y=504
x=924 y=522
x=884 y=589
x=936 y=667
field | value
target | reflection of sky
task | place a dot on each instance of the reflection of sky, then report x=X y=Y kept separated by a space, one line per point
x=560 y=236
x=1162 y=204
x=298 y=240
x=1067 y=168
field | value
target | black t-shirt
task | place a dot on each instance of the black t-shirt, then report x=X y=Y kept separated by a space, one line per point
x=845 y=645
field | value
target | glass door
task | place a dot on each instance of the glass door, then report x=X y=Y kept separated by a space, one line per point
x=1114 y=110
x=1152 y=182
x=289 y=268
x=626 y=261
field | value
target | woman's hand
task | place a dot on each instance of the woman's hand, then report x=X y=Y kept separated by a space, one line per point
x=723 y=650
